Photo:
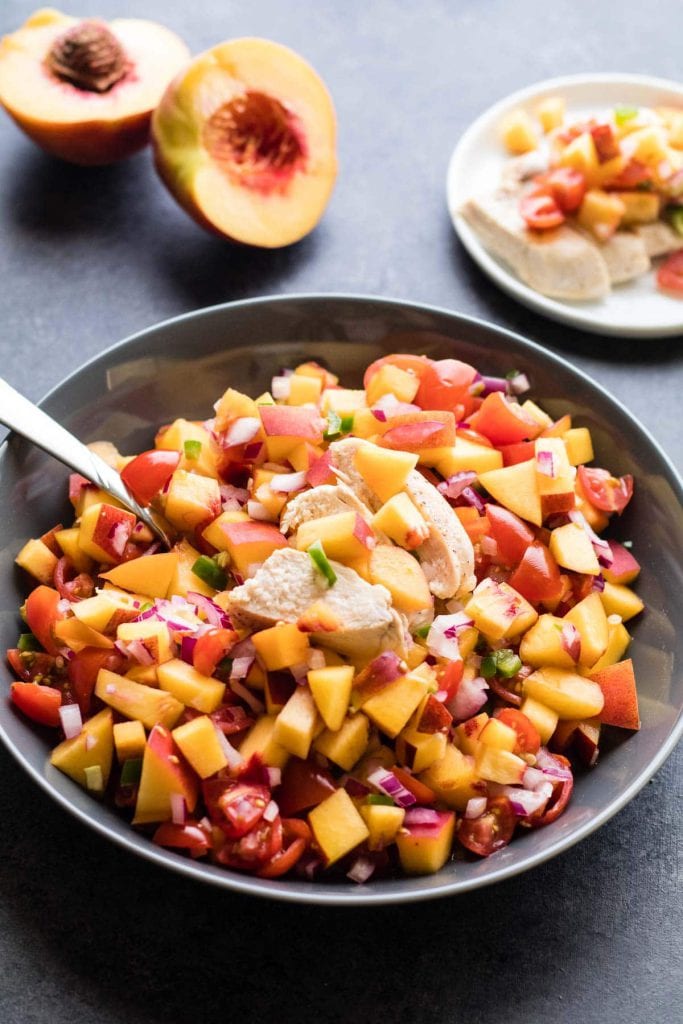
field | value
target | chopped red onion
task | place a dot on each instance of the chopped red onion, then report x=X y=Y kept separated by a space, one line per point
x=253 y=450
x=90 y=741
x=118 y=535
x=570 y=638
x=389 y=784
x=300 y=672
x=187 y=646
x=316 y=659
x=523 y=801
x=424 y=817
x=442 y=639
x=361 y=869
x=471 y=498
x=271 y=812
x=549 y=765
x=240 y=668
x=257 y=706
x=280 y=388
x=379 y=415
x=492 y=384
x=213 y=612
x=259 y=511
x=138 y=650
x=533 y=778
x=233 y=497
x=232 y=756
x=598 y=584
x=469 y=698
x=178 y=809
x=241 y=431
x=519 y=384
x=285 y=483
x=244 y=649
x=63 y=606
x=71 y=719
x=475 y=807
x=456 y=484
x=274 y=777
x=545 y=463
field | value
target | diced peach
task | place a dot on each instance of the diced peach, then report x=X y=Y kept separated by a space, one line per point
x=184 y=682
x=92 y=748
x=104 y=532
x=467 y=733
x=382 y=824
x=499 y=611
x=620 y=600
x=344 y=535
x=391 y=708
x=281 y=646
x=418 y=750
x=422 y=850
x=498 y=735
x=214 y=533
x=543 y=718
x=579 y=445
x=191 y=500
x=618 y=685
x=261 y=740
x=385 y=472
x=337 y=826
x=331 y=689
x=544 y=644
x=184 y=581
x=250 y=543
x=550 y=112
x=68 y=542
x=496 y=765
x=515 y=488
x=198 y=742
x=76 y=635
x=234 y=405
x=518 y=132
x=570 y=695
x=203 y=460
x=135 y=700
x=347 y=745
x=589 y=617
x=581 y=154
x=624 y=567
x=572 y=549
x=150 y=575
x=639 y=207
x=402 y=521
x=304 y=390
x=164 y=774
x=286 y=426
x=601 y=213
x=454 y=779
x=617 y=645
x=152 y=634
x=463 y=456
x=297 y=723
x=129 y=740
x=554 y=476
x=392 y=380
x=37 y=559
x=415 y=431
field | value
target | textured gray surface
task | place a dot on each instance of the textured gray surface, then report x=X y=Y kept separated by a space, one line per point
x=87 y=933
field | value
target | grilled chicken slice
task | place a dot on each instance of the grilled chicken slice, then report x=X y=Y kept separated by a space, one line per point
x=321 y=501
x=625 y=256
x=659 y=238
x=559 y=263
x=288 y=583
x=446 y=557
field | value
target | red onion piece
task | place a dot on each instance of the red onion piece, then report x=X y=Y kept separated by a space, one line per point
x=232 y=756
x=489 y=546
x=213 y=612
x=271 y=812
x=523 y=801
x=519 y=384
x=424 y=817
x=257 y=706
x=379 y=415
x=442 y=639
x=241 y=431
x=240 y=668
x=492 y=384
x=469 y=698
x=570 y=638
x=187 y=646
x=280 y=388
x=456 y=484
x=391 y=786
x=72 y=722
x=475 y=807
x=286 y=483
x=257 y=510
x=598 y=584
x=316 y=659
x=274 y=777
x=138 y=650
x=549 y=765
x=234 y=497
x=545 y=463
x=361 y=869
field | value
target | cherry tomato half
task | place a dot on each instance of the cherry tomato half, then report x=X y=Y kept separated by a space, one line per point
x=253 y=850
x=445 y=384
x=566 y=185
x=606 y=492
x=35 y=667
x=297 y=838
x=528 y=739
x=238 y=808
x=511 y=534
x=71 y=585
x=41 y=615
x=83 y=669
x=211 y=648
x=189 y=836
x=670 y=274
x=39 y=703
x=504 y=422
x=491 y=831
x=540 y=211
x=148 y=473
x=537 y=577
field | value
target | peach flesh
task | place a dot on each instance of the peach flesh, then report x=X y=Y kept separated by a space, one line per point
x=257 y=141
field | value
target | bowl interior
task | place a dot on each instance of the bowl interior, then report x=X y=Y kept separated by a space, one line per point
x=182 y=366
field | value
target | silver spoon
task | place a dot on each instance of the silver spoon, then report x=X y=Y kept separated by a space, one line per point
x=22 y=416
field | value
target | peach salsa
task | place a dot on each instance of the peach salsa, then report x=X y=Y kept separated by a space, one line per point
x=387 y=633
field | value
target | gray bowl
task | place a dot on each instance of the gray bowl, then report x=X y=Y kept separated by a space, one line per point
x=179 y=368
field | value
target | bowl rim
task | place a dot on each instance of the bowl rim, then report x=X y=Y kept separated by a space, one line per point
x=298 y=892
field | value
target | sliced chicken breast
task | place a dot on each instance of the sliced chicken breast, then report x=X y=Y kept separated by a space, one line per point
x=325 y=500
x=447 y=556
x=625 y=255
x=288 y=583
x=559 y=263
x=659 y=238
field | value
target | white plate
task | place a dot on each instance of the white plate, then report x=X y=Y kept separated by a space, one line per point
x=635 y=309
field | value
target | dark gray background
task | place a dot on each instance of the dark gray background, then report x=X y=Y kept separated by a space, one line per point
x=89 y=934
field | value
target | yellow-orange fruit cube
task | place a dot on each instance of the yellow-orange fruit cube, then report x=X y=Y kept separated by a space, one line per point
x=617 y=644
x=496 y=765
x=304 y=390
x=347 y=745
x=184 y=581
x=392 y=380
x=343 y=401
x=129 y=740
x=567 y=693
x=581 y=154
x=337 y=826
x=518 y=132
x=214 y=532
x=418 y=750
x=499 y=611
x=464 y=456
x=92 y=748
x=543 y=718
x=515 y=488
x=297 y=723
x=496 y=734
x=191 y=499
x=601 y=213
x=402 y=521
x=590 y=619
x=68 y=542
x=391 y=708
x=135 y=700
x=550 y=112
x=467 y=733
x=579 y=445
x=203 y=693
x=384 y=471
x=454 y=778
x=261 y=740
x=424 y=851
x=331 y=689
x=344 y=535
x=618 y=599
x=199 y=744
x=403 y=576
x=383 y=823
x=37 y=559
x=543 y=644
x=572 y=549
x=150 y=575
x=281 y=646
x=203 y=460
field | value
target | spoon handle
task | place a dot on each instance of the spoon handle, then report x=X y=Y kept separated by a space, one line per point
x=22 y=416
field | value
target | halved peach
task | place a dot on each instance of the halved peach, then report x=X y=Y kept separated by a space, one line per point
x=84 y=90
x=245 y=140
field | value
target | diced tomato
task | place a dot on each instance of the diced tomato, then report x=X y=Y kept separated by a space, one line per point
x=515 y=453
x=231 y=719
x=449 y=678
x=297 y=838
x=511 y=534
x=540 y=211
x=562 y=790
x=503 y=421
x=239 y=807
x=211 y=648
x=528 y=739
x=633 y=175
x=423 y=794
x=476 y=526
x=445 y=384
x=491 y=831
x=72 y=586
x=606 y=144
x=402 y=360
x=35 y=666
x=189 y=836
x=252 y=851
x=148 y=473
x=39 y=703
x=566 y=185
x=608 y=493
x=670 y=274
x=537 y=577
x=304 y=785
x=83 y=669
x=41 y=614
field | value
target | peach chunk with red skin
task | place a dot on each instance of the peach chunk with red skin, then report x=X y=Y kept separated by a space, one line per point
x=618 y=685
x=245 y=140
x=85 y=90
